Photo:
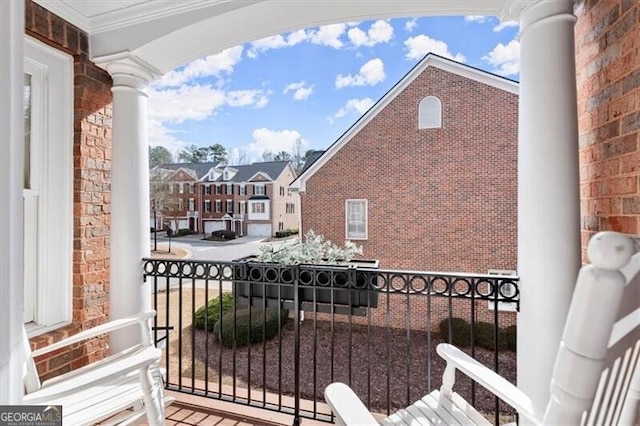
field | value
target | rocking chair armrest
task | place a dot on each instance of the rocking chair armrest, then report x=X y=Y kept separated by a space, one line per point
x=347 y=407
x=499 y=386
x=107 y=327
x=114 y=371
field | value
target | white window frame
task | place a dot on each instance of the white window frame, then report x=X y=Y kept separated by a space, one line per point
x=192 y=204
x=503 y=306
x=430 y=113
x=218 y=206
x=259 y=190
x=229 y=189
x=243 y=189
x=347 y=214
x=207 y=206
x=229 y=206
x=51 y=257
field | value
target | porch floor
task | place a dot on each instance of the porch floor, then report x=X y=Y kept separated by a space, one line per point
x=196 y=410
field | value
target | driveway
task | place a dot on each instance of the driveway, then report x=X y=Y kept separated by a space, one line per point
x=199 y=249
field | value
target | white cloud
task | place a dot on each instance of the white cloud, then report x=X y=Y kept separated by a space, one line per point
x=411 y=24
x=300 y=90
x=328 y=35
x=271 y=140
x=195 y=102
x=359 y=106
x=163 y=136
x=370 y=74
x=379 y=32
x=505 y=59
x=481 y=19
x=224 y=61
x=240 y=98
x=276 y=42
x=172 y=106
x=419 y=46
x=506 y=24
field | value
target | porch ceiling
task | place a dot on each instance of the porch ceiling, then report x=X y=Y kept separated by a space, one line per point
x=165 y=34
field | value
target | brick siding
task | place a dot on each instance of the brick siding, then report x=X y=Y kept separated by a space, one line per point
x=608 y=73
x=91 y=191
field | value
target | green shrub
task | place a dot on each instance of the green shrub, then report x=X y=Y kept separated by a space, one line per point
x=183 y=231
x=223 y=235
x=258 y=315
x=212 y=310
x=511 y=337
x=283 y=234
x=484 y=336
x=460 y=331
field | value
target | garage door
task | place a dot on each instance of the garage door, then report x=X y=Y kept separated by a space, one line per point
x=259 y=229
x=213 y=225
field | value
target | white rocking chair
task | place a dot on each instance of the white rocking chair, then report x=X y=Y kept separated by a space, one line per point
x=120 y=388
x=596 y=378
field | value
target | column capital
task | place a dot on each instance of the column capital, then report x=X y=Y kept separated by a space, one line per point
x=542 y=10
x=128 y=70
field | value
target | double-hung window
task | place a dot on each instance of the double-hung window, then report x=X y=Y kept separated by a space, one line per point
x=47 y=187
x=259 y=190
x=356 y=219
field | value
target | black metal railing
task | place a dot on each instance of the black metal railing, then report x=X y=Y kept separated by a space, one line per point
x=375 y=330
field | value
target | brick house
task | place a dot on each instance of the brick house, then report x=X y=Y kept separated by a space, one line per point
x=172 y=194
x=99 y=65
x=249 y=199
x=431 y=173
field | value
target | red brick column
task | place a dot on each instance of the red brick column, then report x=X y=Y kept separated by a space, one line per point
x=91 y=190
x=608 y=64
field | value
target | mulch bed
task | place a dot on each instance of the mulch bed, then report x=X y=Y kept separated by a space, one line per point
x=387 y=368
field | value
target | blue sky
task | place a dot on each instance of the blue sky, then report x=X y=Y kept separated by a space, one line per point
x=312 y=84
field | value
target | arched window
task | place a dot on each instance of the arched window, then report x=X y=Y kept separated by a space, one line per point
x=430 y=113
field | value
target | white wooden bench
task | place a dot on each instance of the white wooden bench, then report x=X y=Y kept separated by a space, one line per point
x=122 y=387
x=596 y=378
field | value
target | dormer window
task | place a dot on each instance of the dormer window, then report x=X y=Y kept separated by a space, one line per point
x=430 y=113
x=211 y=175
x=226 y=175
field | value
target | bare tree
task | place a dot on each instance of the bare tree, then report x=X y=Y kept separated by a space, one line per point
x=267 y=155
x=297 y=158
x=242 y=157
x=164 y=202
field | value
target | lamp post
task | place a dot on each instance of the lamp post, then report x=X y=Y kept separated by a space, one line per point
x=155 y=228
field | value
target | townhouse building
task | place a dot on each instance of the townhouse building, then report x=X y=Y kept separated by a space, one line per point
x=249 y=199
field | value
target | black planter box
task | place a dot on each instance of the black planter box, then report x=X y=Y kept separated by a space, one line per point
x=344 y=289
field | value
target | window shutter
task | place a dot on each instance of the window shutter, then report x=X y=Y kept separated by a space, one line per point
x=254 y=190
x=430 y=113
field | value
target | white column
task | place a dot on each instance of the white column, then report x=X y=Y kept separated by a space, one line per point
x=548 y=189
x=129 y=195
x=11 y=183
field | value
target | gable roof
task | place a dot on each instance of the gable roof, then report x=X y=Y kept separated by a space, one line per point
x=430 y=60
x=201 y=169
x=270 y=169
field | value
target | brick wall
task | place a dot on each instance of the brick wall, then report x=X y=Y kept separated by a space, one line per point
x=91 y=190
x=438 y=199
x=608 y=72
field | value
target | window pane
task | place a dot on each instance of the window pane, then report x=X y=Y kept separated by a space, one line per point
x=27 y=130
x=356 y=219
